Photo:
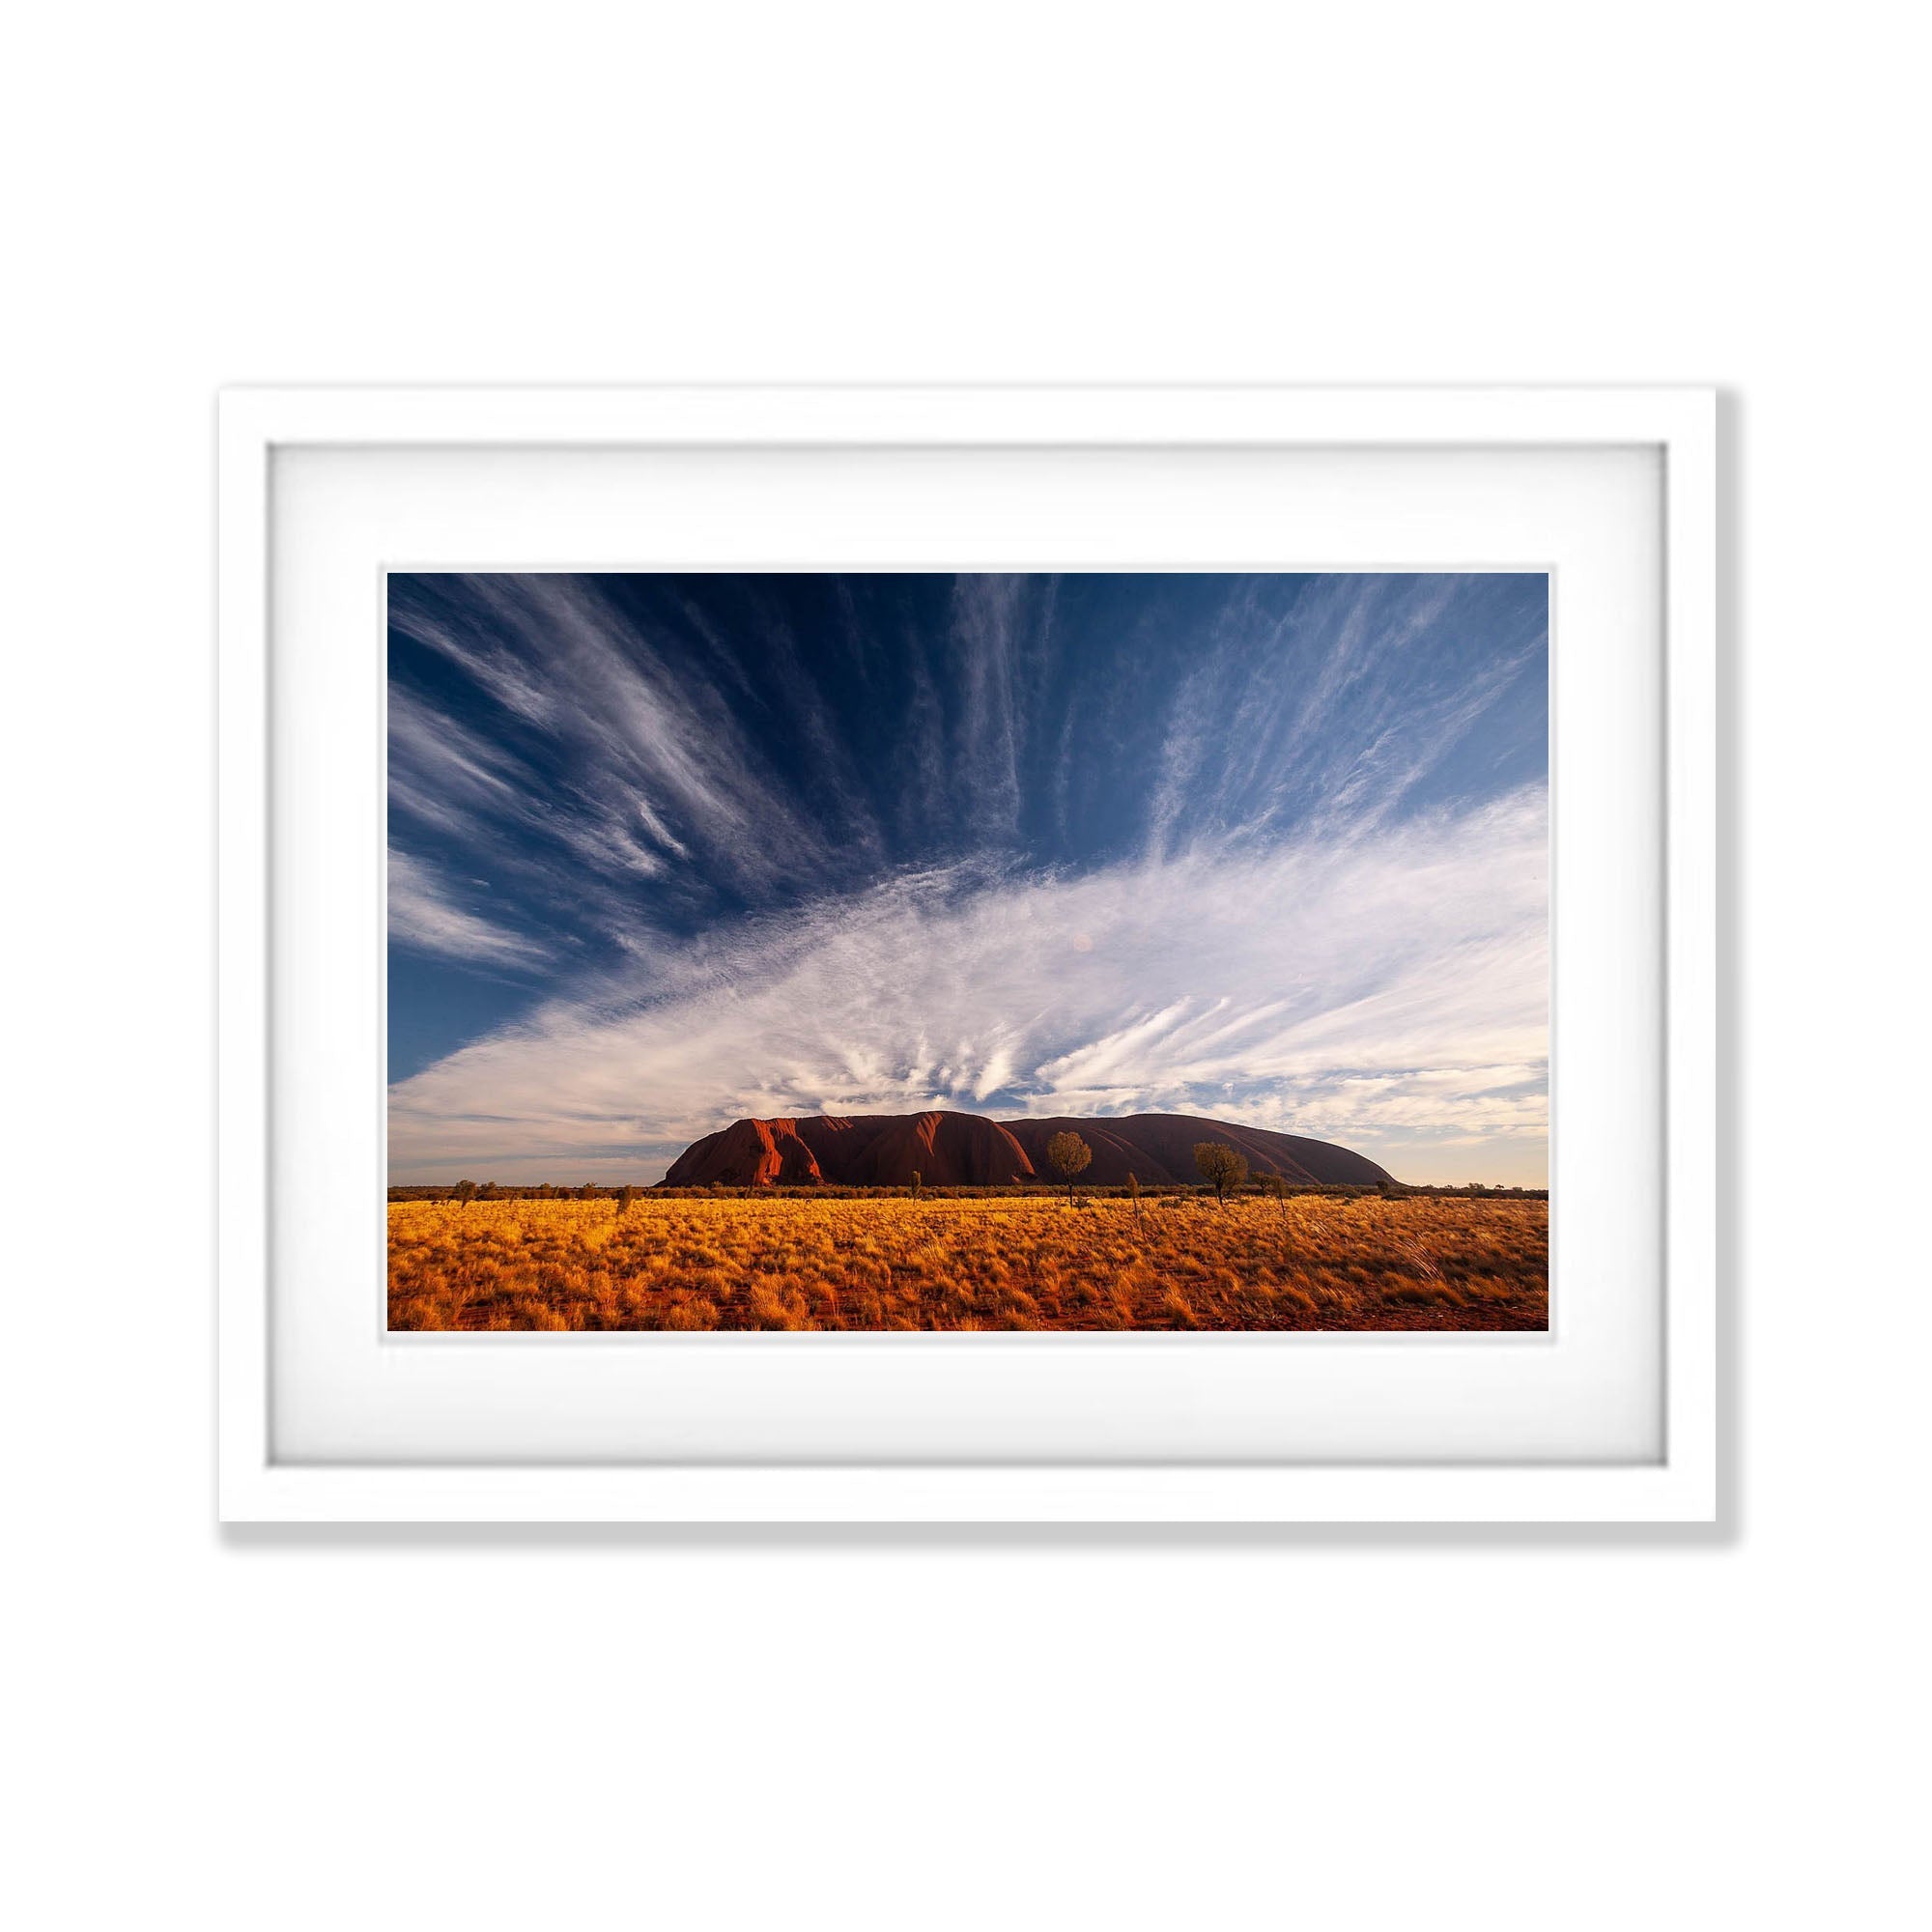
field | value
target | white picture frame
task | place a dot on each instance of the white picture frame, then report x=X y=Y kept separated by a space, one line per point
x=1678 y=1484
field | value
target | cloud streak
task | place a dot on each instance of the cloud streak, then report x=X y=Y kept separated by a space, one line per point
x=1387 y=989
x=615 y=752
x=425 y=916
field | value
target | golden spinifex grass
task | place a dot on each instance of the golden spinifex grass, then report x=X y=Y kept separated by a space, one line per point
x=796 y=1262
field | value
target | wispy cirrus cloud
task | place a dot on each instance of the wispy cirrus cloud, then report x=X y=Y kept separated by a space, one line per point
x=1335 y=708
x=1388 y=990
x=612 y=751
x=425 y=916
x=1002 y=644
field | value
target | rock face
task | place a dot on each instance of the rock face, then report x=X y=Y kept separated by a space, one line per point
x=747 y=1154
x=948 y=1149
x=1160 y=1148
x=887 y=1149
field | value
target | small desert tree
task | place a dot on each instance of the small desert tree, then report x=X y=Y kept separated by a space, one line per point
x=1067 y=1155
x=465 y=1192
x=626 y=1197
x=918 y=1182
x=1274 y=1184
x=1221 y=1167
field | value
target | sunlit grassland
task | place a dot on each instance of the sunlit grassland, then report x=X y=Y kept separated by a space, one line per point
x=795 y=1262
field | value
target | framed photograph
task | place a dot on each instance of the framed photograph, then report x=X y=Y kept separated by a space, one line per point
x=968 y=954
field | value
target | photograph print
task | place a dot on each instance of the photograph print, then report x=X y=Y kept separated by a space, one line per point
x=968 y=953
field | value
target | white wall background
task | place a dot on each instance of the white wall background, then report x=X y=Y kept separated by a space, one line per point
x=421 y=1730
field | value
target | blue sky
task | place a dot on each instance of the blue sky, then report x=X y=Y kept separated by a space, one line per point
x=669 y=850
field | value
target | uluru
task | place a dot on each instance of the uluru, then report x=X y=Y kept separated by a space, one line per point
x=952 y=1150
